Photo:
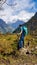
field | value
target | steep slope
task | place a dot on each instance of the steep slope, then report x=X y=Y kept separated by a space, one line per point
x=31 y=25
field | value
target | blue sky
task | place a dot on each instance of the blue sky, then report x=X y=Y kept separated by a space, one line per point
x=18 y=9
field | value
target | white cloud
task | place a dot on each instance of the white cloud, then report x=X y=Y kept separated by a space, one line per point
x=22 y=4
x=23 y=15
x=18 y=11
x=6 y=13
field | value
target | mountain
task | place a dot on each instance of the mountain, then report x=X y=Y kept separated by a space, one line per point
x=16 y=24
x=10 y=27
x=4 y=28
x=31 y=25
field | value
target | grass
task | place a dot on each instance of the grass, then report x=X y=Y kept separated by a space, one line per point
x=9 y=52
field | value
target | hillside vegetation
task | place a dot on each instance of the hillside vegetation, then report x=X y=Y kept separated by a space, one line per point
x=9 y=55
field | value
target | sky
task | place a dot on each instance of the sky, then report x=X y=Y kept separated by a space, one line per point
x=18 y=9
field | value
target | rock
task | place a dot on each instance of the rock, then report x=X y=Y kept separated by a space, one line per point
x=36 y=47
x=23 y=51
x=27 y=52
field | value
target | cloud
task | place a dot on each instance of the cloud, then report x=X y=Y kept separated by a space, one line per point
x=20 y=9
x=6 y=13
x=23 y=4
x=23 y=15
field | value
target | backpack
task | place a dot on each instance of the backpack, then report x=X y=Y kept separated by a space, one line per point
x=24 y=32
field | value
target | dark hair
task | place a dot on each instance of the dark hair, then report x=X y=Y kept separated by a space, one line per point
x=20 y=25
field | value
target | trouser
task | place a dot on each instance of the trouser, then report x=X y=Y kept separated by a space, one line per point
x=21 y=42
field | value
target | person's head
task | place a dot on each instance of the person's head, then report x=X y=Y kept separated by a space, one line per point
x=20 y=25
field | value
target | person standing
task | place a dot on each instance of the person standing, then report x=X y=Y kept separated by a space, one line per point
x=24 y=32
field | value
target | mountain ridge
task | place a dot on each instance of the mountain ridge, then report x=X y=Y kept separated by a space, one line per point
x=16 y=24
x=4 y=28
